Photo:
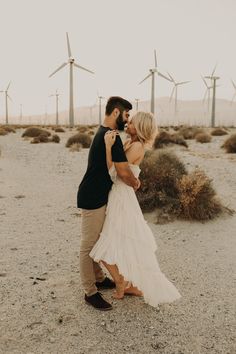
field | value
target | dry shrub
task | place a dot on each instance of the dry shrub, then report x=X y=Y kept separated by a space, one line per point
x=81 y=138
x=203 y=138
x=190 y=132
x=197 y=197
x=160 y=171
x=9 y=129
x=42 y=138
x=230 y=144
x=59 y=130
x=83 y=128
x=219 y=132
x=76 y=147
x=55 y=139
x=34 y=132
x=91 y=132
x=165 y=138
x=3 y=132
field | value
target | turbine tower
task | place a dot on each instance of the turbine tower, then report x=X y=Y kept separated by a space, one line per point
x=6 y=100
x=213 y=81
x=100 y=98
x=20 y=113
x=57 y=99
x=137 y=101
x=234 y=85
x=175 y=89
x=71 y=62
x=152 y=74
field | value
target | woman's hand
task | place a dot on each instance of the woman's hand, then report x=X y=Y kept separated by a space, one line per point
x=110 y=138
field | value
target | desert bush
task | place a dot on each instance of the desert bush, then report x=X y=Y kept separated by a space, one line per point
x=218 y=132
x=76 y=147
x=83 y=128
x=165 y=138
x=197 y=197
x=203 y=138
x=230 y=144
x=9 y=129
x=34 y=132
x=81 y=138
x=3 y=132
x=55 y=138
x=160 y=171
x=42 y=138
x=190 y=132
x=59 y=130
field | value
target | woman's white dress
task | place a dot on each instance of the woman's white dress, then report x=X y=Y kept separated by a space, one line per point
x=127 y=241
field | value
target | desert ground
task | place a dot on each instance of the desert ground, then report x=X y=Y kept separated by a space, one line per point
x=42 y=309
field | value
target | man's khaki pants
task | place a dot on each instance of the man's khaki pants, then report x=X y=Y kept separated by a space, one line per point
x=91 y=226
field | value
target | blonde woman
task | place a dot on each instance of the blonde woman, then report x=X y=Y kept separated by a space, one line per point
x=126 y=246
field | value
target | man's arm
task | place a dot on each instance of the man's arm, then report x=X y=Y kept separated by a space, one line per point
x=124 y=172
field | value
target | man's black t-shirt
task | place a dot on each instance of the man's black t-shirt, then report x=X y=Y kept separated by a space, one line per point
x=96 y=183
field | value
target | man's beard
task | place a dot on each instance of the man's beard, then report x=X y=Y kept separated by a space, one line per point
x=120 y=123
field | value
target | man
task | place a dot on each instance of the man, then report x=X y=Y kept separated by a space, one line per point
x=92 y=198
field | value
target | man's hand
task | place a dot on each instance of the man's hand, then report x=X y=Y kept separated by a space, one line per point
x=110 y=138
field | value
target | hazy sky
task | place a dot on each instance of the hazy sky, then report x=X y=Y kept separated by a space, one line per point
x=116 y=39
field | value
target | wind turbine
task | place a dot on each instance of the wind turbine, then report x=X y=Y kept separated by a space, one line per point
x=213 y=79
x=234 y=85
x=207 y=93
x=57 y=99
x=100 y=98
x=71 y=62
x=175 y=89
x=20 y=113
x=6 y=100
x=137 y=101
x=152 y=74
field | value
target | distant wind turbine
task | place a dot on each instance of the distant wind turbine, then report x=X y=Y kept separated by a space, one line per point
x=213 y=79
x=175 y=89
x=6 y=100
x=234 y=85
x=71 y=62
x=100 y=98
x=57 y=99
x=20 y=113
x=152 y=74
x=207 y=93
x=137 y=102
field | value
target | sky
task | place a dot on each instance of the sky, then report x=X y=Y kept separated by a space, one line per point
x=116 y=40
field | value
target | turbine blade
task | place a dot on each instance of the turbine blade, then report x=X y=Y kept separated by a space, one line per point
x=164 y=77
x=81 y=67
x=9 y=97
x=172 y=93
x=233 y=84
x=204 y=81
x=60 y=67
x=233 y=98
x=208 y=77
x=8 y=86
x=171 y=77
x=183 y=82
x=213 y=72
x=145 y=78
x=68 y=45
x=205 y=95
x=155 y=58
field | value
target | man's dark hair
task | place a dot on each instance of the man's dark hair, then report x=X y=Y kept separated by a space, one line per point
x=117 y=102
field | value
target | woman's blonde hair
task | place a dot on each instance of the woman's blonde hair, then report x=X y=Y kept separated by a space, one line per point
x=145 y=126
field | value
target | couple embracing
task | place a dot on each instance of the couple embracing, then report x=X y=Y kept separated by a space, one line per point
x=114 y=233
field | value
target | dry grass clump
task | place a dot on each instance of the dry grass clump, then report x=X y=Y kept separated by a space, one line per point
x=83 y=128
x=165 y=138
x=203 y=138
x=230 y=144
x=219 y=132
x=8 y=129
x=76 y=147
x=59 y=130
x=55 y=139
x=197 y=197
x=190 y=132
x=160 y=172
x=81 y=138
x=3 y=132
x=35 y=132
x=42 y=138
x=167 y=188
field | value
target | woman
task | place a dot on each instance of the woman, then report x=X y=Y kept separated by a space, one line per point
x=126 y=245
